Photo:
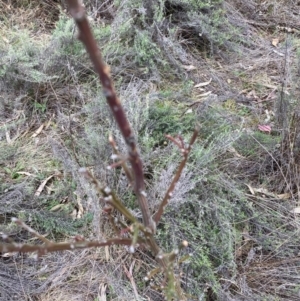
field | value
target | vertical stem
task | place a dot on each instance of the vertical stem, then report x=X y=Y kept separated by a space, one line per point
x=86 y=36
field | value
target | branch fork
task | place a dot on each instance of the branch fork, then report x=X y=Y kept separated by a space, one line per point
x=139 y=233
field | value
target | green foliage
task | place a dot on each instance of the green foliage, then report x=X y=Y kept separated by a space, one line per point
x=252 y=145
x=198 y=4
x=13 y=171
x=65 y=35
x=129 y=199
x=147 y=36
x=217 y=125
x=202 y=269
x=208 y=222
x=209 y=217
x=40 y=107
x=7 y=152
x=165 y=118
x=147 y=52
x=59 y=223
x=205 y=23
x=21 y=59
x=132 y=33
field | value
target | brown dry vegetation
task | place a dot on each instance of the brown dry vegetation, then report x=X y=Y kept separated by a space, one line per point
x=236 y=202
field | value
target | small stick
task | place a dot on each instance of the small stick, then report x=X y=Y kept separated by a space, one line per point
x=30 y=230
x=62 y=246
x=124 y=166
x=168 y=195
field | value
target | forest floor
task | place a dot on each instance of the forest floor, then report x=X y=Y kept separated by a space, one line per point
x=232 y=67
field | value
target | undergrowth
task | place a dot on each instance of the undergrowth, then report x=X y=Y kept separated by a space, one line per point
x=233 y=233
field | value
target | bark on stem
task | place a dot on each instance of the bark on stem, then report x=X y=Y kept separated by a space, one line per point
x=85 y=35
x=185 y=152
x=62 y=246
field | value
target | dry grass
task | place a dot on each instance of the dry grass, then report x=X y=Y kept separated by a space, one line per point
x=35 y=16
x=267 y=255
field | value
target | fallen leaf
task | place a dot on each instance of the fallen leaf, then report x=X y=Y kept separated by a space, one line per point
x=189 y=67
x=252 y=94
x=284 y=196
x=251 y=189
x=265 y=192
x=106 y=249
x=269 y=86
x=7 y=135
x=50 y=188
x=24 y=173
x=42 y=186
x=102 y=292
x=7 y=255
x=189 y=111
x=218 y=63
x=38 y=131
x=5 y=40
x=268 y=116
x=203 y=84
x=296 y=210
x=265 y=128
x=279 y=53
x=262 y=191
x=79 y=205
x=204 y=94
x=73 y=214
x=80 y=210
x=234 y=151
x=275 y=42
x=244 y=91
x=270 y=96
x=49 y=122
x=57 y=207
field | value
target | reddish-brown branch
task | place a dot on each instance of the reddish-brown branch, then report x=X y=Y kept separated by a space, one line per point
x=185 y=153
x=30 y=230
x=86 y=36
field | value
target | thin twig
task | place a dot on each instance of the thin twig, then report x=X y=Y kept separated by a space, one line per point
x=168 y=195
x=62 y=246
x=124 y=166
x=130 y=277
x=30 y=230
